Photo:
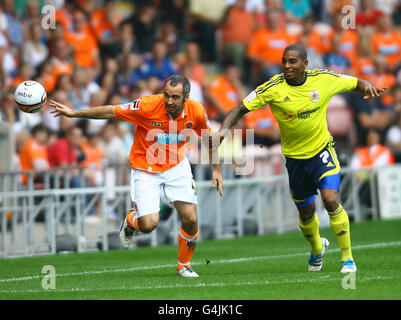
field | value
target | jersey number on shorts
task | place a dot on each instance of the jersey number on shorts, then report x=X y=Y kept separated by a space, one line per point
x=324 y=156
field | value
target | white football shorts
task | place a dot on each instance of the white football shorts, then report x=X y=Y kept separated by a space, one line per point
x=175 y=184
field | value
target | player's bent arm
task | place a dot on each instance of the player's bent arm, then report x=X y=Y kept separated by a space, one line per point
x=232 y=118
x=101 y=112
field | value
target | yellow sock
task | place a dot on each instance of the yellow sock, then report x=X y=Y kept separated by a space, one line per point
x=310 y=229
x=339 y=223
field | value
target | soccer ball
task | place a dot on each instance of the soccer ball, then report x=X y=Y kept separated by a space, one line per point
x=30 y=96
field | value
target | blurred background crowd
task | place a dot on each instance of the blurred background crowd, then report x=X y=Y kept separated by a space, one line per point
x=113 y=52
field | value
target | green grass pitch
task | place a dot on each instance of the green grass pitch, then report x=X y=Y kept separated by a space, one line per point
x=251 y=268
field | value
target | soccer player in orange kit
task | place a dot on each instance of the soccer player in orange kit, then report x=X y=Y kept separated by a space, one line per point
x=158 y=161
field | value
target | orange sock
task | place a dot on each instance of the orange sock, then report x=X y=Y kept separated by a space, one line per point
x=132 y=220
x=186 y=248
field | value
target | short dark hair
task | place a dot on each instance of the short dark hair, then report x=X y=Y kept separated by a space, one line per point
x=175 y=79
x=299 y=48
x=38 y=128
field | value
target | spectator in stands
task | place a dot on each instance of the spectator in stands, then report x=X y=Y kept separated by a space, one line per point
x=373 y=155
x=33 y=154
x=297 y=10
x=93 y=159
x=79 y=93
x=206 y=16
x=159 y=65
x=335 y=60
x=196 y=88
x=393 y=138
x=104 y=22
x=112 y=144
x=225 y=92
x=236 y=35
x=168 y=34
x=15 y=31
x=64 y=15
x=365 y=66
x=8 y=63
x=262 y=120
x=387 y=41
x=192 y=57
x=25 y=72
x=84 y=44
x=369 y=14
x=59 y=60
x=384 y=79
x=348 y=39
x=369 y=115
x=144 y=26
x=64 y=151
x=126 y=41
x=176 y=12
x=34 y=51
x=266 y=48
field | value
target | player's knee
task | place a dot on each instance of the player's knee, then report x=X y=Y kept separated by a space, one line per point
x=190 y=220
x=331 y=202
x=149 y=223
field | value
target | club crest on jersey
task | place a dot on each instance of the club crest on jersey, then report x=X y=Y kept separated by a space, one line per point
x=314 y=96
x=134 y=105
x=189 y=124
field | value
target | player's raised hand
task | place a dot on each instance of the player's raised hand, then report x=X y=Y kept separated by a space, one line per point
x=217 y=181
x=373 y=92
x=60 y=109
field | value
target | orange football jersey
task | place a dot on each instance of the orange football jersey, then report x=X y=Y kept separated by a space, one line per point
x=159 y=142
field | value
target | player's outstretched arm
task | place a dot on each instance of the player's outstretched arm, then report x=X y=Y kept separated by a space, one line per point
x=102 y=112
x=369 y=90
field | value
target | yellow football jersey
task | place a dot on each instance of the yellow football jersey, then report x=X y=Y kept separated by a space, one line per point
x=301 y=110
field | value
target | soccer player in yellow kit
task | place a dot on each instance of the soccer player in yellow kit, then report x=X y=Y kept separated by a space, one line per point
x=298 y=99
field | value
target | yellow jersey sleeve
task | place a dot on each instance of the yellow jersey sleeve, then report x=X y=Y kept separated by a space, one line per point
x=263 y=94
x=337 y=82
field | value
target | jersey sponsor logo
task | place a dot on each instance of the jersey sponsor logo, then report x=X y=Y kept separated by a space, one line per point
x=305 y=114
x=157 y=124
x=134 y=105
x=167 y=137
x=250 y=97
x=314 y=96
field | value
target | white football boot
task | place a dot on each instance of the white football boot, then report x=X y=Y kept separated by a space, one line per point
x=315 y=262
x=187 y=272
x=126 y=234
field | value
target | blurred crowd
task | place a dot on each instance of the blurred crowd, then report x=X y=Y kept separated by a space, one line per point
x=113 y=52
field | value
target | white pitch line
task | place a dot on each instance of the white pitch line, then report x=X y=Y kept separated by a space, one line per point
x=198 y=285
x=236 y=260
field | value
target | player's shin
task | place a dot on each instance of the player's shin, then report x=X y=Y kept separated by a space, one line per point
x=339 y=223
x=310 y=230
x=186 y=247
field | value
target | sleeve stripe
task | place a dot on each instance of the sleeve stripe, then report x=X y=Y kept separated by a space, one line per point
x=279 y=78
x=319 y=73
x=271 y=85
